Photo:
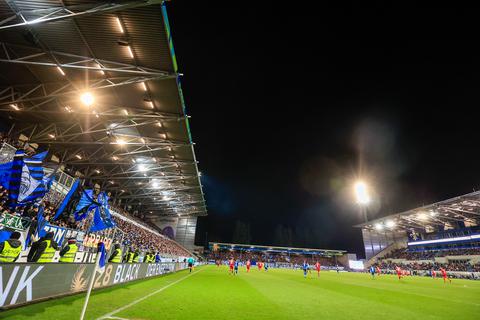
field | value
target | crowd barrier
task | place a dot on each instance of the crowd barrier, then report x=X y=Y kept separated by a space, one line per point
x=23 y=283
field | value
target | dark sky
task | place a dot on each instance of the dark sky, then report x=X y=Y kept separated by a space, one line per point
x=290 y=103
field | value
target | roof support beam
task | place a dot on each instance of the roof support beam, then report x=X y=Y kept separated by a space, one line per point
x=54 y=59
x=58 y=13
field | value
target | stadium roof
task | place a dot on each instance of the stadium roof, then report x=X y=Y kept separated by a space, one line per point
x=444 y=214
x=252 y=247
x=134 y=137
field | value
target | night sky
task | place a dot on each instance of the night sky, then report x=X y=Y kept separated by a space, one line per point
x=291 y=103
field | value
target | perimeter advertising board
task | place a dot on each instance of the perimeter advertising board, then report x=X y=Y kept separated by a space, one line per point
x=25 y=283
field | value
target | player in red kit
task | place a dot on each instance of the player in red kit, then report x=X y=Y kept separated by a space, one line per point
x=433 y=273
x=445 y=276
x=317 y=267
x=231 y=264
x=259 y=264
x=399 y=272
x=248 y=265
x=377 y=268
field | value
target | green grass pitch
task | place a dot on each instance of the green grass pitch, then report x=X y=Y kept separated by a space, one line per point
x=211 y=293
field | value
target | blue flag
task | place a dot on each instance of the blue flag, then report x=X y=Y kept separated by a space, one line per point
x=24 y=178
x=85 y=205
x=103 y=257
x=102 y=218
x=5 y=171
x=41 y=222
x=15 y=177
x=70 y=200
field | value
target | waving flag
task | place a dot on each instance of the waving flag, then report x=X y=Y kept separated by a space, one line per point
x=102 y=218
x=5 y=171
x=70 y=201
x=85 y=205
x=41 y=222
x=24 y=178
x=15 y=177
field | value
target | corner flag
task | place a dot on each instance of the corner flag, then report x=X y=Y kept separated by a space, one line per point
x=100 y=268
x=103 y=257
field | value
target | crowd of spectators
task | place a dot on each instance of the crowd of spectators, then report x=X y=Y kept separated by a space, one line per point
x=134 y=235
x=269 y=257
x=415 y=261
x=430 y=254
x=146 y=240
x=416 y=266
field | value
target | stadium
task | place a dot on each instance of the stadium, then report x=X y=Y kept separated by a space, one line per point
x=103 y=207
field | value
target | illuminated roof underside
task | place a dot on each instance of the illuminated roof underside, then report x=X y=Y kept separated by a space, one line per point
x=133 y=138
x=444 y=215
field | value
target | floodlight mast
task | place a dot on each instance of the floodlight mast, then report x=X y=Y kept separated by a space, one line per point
x=362 y=198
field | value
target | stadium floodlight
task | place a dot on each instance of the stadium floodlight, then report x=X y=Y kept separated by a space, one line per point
x=361 y=193
x=87 y=99
x=142 y=167
x=390 y=224
x=378 y=226
x=422 y=216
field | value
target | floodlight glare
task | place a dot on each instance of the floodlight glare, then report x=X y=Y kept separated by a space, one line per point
x=422 y=216
x=361 y=193
x=87 y=99
x=390 y=224
x=378 y=226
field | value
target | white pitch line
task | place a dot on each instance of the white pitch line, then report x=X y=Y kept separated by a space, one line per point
x=109 y=315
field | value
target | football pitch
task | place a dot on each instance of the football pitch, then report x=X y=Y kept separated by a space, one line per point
x=211 y=293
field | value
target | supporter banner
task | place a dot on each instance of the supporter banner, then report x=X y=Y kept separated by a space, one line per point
x=14 y=222
x=25 y=283
x=61 y=234
x=91 y=240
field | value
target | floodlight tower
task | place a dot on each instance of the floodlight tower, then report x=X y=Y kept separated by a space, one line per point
x=362 y=198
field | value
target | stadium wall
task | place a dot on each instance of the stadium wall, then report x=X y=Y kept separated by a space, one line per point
x=377 y=241
x=27 y=283
x=185 y=233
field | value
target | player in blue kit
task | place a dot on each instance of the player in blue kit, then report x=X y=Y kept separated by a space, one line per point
x=372 y=272
x=305 y=268
x=236 y=267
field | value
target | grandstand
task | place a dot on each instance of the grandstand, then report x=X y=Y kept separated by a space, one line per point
x=91 y=99
x=100 y=192
x=443 y=234
x=110 y=110
x=284 y=257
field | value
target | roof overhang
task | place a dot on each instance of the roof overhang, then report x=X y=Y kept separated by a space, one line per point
x=134 y=139
x=465 y=208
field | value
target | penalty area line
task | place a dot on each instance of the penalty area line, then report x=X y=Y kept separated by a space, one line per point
x=110 y=314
